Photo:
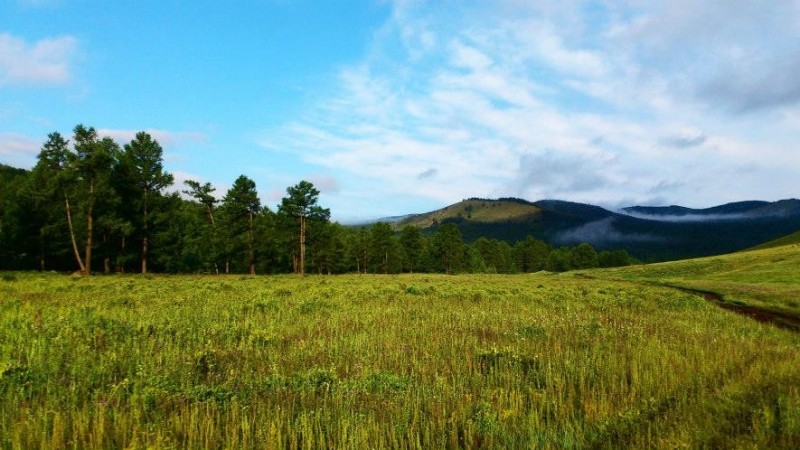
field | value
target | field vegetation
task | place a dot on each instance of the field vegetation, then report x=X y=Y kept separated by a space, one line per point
x=766 y=278
x=376 y=361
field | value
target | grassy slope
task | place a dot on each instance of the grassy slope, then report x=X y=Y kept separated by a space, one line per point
x=767 y=278
x=486 y=211
x=386 y=362
x=793 y=238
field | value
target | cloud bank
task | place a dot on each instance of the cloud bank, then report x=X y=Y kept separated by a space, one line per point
x=17 y=150
x=584 y=100
x=44 y=62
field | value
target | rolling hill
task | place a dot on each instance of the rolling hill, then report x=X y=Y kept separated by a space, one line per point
x=479 y=211
x=767 y=278
x=648 y=233
x=789 y=239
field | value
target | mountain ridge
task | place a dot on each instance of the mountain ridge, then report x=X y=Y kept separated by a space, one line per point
x=651 y=233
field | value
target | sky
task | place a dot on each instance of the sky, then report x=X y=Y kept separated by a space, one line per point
x=398 y=107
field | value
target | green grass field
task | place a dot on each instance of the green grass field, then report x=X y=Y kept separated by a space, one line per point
x=423 y=361
x=767 y=278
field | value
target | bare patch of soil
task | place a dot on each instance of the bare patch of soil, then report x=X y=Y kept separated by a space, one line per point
x=778 y=318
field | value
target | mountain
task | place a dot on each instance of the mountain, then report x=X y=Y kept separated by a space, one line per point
x=729 y=211
x=477 y=210
x=649 y=233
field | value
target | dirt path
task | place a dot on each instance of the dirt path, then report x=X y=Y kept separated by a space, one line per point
x=780 y=319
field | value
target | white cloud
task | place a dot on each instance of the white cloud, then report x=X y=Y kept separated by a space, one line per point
x=584 y=100
x=546 y=44
x=325 y=183
x=469 y=57
x=18 y=151
x=43 y=62
x=736 y=55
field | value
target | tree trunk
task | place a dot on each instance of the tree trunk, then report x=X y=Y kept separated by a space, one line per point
x=121 y=267
x=145 y=240
x=250 y=252
x=72 y=235
x=144 y=253
x=210 y=215
x=89 y=230
x=41 y=249
x=302 y=244
x=106 y=258
x=210 y=212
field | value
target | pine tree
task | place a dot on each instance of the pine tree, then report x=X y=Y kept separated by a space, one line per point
x=301 y=204
x=240 y=205
x=143 y=158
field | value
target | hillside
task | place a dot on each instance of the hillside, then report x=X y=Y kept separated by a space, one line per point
x=793 y=238
x=768 y=278
x=648 y=233
x=476 y=210
x=728 y=211
x=509 y=219
x=10 y=174
x=680 y=211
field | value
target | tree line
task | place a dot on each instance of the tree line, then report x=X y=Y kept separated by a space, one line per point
x=93 y=206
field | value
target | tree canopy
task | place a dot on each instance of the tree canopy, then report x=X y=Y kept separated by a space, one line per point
x=90 y=205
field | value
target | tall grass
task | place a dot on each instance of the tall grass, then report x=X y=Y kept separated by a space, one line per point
x=385 y=362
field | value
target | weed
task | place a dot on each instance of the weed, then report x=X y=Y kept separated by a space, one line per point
x=413 y=290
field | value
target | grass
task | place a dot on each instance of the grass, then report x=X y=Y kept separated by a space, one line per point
x=793 y=238
x=423 y=361
x=767 y=278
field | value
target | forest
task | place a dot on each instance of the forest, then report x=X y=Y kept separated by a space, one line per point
x=91 y=205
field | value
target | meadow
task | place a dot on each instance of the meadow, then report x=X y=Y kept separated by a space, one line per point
x=409 y=361
x=767 y=277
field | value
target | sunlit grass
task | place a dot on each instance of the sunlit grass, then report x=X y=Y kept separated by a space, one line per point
x=767 y=278
x=385 y=362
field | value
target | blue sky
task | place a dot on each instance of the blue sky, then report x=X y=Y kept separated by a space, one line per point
x=394 y=107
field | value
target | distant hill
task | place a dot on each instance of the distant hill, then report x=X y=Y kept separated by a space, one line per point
x=790 y=239
x=476 y=210
x=729 y=211
x=9 y=177
x=767 y=278
x=8 y=173
x=649 y=233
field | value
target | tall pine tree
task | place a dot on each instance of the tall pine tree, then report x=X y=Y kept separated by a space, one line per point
x=143 y=157
x=301 y=204
x=240 y=206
